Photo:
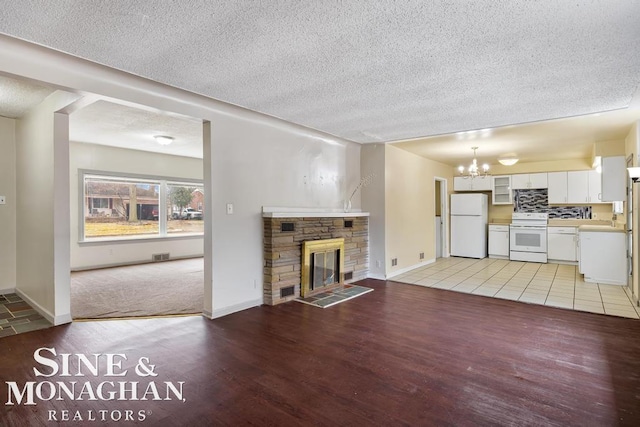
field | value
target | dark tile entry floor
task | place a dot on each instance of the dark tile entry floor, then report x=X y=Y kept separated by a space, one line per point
x=16 y=316
x=335 y=296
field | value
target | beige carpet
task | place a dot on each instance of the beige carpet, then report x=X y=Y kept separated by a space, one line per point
x=163 y=288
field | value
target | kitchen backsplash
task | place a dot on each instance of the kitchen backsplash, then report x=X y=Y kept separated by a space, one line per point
x=538 y=201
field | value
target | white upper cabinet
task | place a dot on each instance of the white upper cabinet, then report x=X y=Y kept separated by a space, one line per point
x=614 y=179
x=461 y=183
x=501 y=190
x=538 y=180
x=520 y=181
x=584 y=187
x=525 y=181
x=595 y=186
x=578 y=187
x=581 y=187
x=557 y=187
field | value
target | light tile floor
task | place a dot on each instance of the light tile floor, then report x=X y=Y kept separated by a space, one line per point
x=555 y=285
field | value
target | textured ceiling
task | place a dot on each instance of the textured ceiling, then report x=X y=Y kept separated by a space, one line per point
x=123 y=126
x=18 y=96
x=365 y=71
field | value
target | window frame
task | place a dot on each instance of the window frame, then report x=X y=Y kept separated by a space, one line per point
x=162 y=181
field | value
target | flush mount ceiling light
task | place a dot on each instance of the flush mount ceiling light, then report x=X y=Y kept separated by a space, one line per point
x=163 y=139
x=508 y=159
x=473 y=170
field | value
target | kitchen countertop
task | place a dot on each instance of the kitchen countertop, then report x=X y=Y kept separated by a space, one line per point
x=601 y=228
x=501 y=221
x=577 y=222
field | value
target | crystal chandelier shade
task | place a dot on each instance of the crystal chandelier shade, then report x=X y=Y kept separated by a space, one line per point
x=474 y=171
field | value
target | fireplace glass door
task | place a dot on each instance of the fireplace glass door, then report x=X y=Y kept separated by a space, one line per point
x=322 y=266
x=325 y=269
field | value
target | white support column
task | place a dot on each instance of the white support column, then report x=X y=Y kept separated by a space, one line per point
x=208 y=218
x=61 y=220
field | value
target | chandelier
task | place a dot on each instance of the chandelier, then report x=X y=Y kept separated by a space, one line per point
x=473 y=170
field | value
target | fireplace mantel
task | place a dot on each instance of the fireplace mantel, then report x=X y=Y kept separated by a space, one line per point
x=277 y=212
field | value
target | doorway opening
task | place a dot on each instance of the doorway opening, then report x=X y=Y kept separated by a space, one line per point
x=137 y=212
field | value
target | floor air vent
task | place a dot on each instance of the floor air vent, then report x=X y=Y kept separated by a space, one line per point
x=160 y=257
x=348 y=275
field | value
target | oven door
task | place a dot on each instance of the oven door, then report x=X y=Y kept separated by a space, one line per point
x=528 y=238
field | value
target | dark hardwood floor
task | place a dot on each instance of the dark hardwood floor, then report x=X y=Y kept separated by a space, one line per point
x=401 y=355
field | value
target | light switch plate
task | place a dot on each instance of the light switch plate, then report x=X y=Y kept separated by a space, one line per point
x=229 y=208
x=2 y=200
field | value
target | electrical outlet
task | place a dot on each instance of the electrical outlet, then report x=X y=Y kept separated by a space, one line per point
x=379 y=264
x=421 y=255
x=394 y=262
x=3 y=200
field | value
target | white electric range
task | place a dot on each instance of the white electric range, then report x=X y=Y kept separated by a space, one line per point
x=528 y=237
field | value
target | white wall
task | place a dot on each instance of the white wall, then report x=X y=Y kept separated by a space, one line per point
x=8 y=211
x=411 y=207
x=42 y=273
x=254 y=160
x=402 y=206
x=111 y=159
x=373 y=201
x=258 y=163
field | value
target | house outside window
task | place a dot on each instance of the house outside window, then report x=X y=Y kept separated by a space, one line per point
x=118 y=206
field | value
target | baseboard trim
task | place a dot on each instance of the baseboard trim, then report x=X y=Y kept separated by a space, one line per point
x=7 y=291
x=220 y=312
x=412 y=267
x=376 y=276
x=37 y=307
x=62 y=319
x=555 y=261
x=127 y=264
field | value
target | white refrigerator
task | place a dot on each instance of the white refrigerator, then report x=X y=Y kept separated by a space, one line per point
x=469 y=218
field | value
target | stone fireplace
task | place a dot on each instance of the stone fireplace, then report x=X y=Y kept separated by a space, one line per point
x=339 y=243
x=322 y=266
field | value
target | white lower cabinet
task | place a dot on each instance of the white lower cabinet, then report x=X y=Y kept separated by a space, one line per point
x=498 y=241
x=562 y=244
x=603 y=256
